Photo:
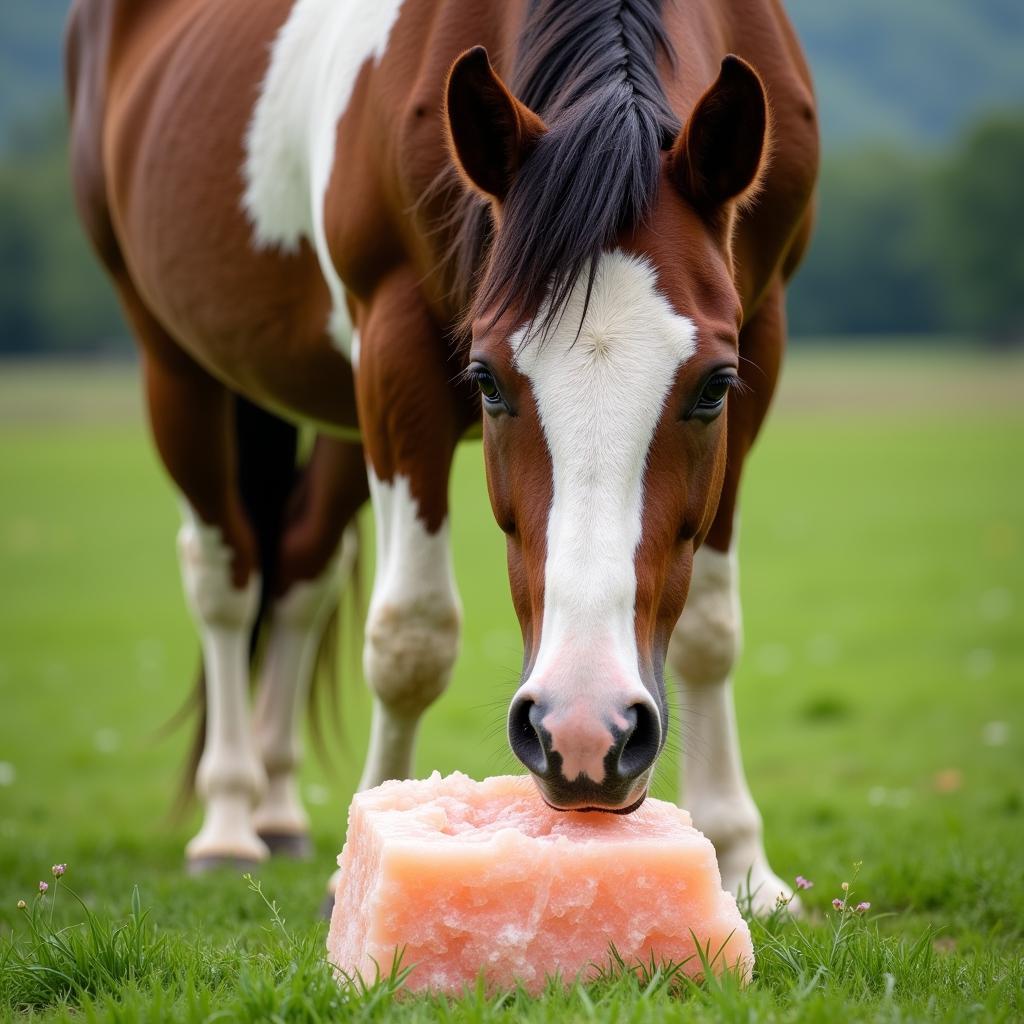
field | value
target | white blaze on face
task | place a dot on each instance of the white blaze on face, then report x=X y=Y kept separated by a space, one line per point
x=599 y=397
x=290 y=144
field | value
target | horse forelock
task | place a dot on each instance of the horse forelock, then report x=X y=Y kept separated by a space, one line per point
x=591 y=72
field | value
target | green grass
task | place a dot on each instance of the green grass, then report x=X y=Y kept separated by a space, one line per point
x=879 y=705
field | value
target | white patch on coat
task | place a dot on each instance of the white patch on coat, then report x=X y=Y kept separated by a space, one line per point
x=342 y=334
x=707 y=639
x=354 y=353
x=704 y=648
x=412 y=628
x=230 y=776
x=599 y=396
x=290 y=144
x=295 y=626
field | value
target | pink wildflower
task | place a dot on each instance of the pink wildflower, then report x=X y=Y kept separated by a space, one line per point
x=43 y=886
x=58 y=870
x=837 y=903
x=803 y=883
x=862 y=907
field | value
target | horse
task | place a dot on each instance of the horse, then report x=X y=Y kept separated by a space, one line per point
x=564 y=225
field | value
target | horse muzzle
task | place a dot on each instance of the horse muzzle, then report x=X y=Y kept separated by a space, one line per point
x=583 y=759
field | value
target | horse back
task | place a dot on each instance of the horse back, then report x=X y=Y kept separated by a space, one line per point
x=162 y=96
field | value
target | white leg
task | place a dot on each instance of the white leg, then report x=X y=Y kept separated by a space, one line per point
x=412 y=630
x=230 y=777
x=296 y=625
x=703 y=650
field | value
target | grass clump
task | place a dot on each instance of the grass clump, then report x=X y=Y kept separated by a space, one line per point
x=831 y=965
x=52 y=965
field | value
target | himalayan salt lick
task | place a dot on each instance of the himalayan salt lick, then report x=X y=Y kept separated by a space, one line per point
x=468 y=877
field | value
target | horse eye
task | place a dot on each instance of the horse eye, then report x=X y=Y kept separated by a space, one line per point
x=712 y=397
x=487 y=385
x=715 y=391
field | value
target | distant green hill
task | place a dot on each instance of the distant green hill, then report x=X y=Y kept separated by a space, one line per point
x=911 y=70
x=915 y=70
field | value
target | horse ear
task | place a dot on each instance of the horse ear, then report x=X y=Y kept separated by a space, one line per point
x=718 y=155
x=490 y=132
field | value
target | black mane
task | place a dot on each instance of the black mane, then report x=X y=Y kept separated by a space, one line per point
x=588 y=67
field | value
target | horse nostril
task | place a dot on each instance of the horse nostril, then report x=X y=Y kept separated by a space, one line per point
x=640 y=747
x=524 y=735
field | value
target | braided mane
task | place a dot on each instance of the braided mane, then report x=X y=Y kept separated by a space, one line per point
x=589 y=68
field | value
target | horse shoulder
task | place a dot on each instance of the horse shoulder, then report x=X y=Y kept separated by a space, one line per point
x=386 y=195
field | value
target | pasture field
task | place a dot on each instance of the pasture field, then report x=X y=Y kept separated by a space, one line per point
x=879 y=699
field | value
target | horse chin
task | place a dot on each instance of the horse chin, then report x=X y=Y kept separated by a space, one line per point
x=589 y=803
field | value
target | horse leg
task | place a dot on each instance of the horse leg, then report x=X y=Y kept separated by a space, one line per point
x=191 y=415
x=410 y=418
x=702 y=653
x=412 y=629
x=706 y=643
x=318 y=551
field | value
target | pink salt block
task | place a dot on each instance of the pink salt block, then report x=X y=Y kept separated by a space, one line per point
x=471 y=877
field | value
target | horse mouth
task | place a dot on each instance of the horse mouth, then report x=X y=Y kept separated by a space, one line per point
x=587 y=804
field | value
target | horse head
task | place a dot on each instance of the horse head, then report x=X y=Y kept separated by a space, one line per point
x=605 y=347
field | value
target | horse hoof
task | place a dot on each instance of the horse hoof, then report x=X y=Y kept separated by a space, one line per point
x=205 y=865
x=327 y=907
x=293 y=845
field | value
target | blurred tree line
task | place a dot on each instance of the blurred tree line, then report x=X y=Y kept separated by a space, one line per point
x=53 y=295
x=906 y=242
x=916 y=242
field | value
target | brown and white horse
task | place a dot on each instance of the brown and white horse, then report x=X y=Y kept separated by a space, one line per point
x=572 y=220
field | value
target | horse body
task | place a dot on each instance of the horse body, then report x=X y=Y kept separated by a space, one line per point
x=293 y=200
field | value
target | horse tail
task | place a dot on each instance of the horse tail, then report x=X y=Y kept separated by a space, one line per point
x=267 y=449
x=324 y=695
